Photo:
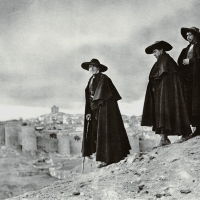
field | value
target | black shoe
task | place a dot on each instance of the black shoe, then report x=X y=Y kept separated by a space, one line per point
x=102 y=165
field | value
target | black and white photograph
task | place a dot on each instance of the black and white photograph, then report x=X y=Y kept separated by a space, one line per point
x=100 y=99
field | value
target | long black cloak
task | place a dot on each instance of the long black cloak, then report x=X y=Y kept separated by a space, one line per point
x=195 y=73
x=112 y=141
x=164 y=105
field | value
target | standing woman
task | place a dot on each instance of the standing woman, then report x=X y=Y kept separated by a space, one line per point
x=164 y=106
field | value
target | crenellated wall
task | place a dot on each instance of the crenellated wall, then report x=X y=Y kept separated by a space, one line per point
x=11 y=135
x=47 y=144
x=20 y=134
x=63 y=142
x=2 y=134
x=28 y=139
x=75 y=144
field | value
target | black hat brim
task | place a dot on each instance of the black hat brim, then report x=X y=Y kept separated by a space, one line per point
x=184 y=32
x=102 y=68
x=159 y=45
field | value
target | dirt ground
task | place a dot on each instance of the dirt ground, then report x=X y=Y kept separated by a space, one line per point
x=171 y=172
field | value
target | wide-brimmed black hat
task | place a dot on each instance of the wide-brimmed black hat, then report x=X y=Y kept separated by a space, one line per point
x=158 y=45
x=193 y=29
x=95 y=62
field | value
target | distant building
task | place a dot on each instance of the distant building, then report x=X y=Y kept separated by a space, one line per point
x=77 y=121
x=14 y=121
x=39 y=128
x=79 y=129
x=55 y=117
x=67 y=120
x=54 y=109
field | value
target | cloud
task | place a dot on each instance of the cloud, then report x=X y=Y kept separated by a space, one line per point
x=43 y=43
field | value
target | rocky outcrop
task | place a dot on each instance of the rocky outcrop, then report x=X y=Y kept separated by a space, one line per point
x=171 y=172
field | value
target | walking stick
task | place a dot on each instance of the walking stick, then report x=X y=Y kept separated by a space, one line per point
x=83 y=163
x=87 y=128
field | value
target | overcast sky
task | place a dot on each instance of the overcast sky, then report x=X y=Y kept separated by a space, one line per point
x=44 y=42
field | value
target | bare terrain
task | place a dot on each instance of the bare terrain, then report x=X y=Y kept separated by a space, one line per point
x=171 y=172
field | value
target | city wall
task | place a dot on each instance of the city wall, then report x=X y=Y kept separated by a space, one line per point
x=2 y=134
x=28 y=139
x=11 y=135
x=47 y=144
x=65 y=142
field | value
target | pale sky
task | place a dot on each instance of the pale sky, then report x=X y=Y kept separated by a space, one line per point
x=44 y=42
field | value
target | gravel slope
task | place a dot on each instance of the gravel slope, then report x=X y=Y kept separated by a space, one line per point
x=170 y=172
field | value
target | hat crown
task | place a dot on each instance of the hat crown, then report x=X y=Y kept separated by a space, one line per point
x=158 y=45
x=195 y=29
x=95 y=61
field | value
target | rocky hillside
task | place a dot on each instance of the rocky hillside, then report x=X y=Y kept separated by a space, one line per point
x=170 y=172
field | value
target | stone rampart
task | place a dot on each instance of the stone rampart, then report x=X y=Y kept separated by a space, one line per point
x=28 y=139
x=11 y=135
x=63 y=142
x=2 y=134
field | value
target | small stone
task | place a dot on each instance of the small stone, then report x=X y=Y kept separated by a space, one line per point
x=174 y=160
x=76 y=193
x=159 y=195
x=186 y=191
x=140 y=187
x=162 y=178
x=123 y=161
x=130 y=159
x=151 y=157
